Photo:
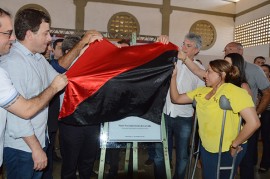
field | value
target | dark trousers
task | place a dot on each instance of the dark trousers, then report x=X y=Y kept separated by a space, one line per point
x=48 y=171
x=19 y=164
x=247 y=164
x=210 y=161
x=151 y=151
x=78 y=146
x=265 y=135
x=113 y=158
x=180 y=128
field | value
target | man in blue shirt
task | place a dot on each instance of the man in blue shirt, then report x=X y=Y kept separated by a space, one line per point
x=53 y=113
x=72 y=46
x=78 y=144
x=57 y=54
x=10 y=99
x=25 y=139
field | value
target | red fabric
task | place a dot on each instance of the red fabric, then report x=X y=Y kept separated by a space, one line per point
x=101 y=62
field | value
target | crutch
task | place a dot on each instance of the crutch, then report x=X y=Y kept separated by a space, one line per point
x=192 y=169
x=224 y=104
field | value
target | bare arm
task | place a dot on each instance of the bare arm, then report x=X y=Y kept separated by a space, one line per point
x=247 y=88
x=175 y=96
x=89 y=37
x=83 y=50
x=252 y=124
x=38 y=155
x=265 y=100
x=26 y=108
x=191 y=65
x=164 y=39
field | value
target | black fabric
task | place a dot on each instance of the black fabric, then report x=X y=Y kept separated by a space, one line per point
x=53 y=114
x=139 y=92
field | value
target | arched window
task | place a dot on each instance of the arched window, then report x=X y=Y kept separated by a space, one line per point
x=123 y=23
x=207 y=31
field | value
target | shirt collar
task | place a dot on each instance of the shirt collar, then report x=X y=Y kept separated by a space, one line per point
x=26 y=51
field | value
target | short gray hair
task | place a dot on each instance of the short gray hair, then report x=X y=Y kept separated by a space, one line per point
x=195 y=38
x=69 y=42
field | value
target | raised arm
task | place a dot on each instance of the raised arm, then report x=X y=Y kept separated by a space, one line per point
x=175 y=96
x=89 y=37
x=252 y=124
x=191 y=65
x=26 y=108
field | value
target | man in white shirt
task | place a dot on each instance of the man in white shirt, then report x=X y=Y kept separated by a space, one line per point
x=179 y=118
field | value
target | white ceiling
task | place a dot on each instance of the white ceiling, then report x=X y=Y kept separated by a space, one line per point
x=209 y=5
x=223 y=6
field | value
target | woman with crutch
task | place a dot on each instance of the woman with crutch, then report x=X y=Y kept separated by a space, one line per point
x=210 y=115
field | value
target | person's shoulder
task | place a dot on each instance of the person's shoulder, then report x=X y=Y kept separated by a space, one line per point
x=252 y=66
x=253 y=71
x=230 y=91
x=203 y=89
x=231 y=87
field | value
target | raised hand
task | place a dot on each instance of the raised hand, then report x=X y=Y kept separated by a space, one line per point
x=164 y=39
x=181 y=54
x=91 y=36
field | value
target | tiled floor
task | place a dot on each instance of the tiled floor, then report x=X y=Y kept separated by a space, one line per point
x=146 y=172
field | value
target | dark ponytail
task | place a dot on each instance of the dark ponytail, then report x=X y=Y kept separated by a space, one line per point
x=239 y=62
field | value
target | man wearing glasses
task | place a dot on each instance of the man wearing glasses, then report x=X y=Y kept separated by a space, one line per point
x=8 y=33
x=10 y=99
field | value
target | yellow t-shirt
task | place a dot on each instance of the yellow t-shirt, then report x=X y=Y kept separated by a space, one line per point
x=210 y=115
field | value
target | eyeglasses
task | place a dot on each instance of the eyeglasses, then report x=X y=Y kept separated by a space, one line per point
x=9 y=33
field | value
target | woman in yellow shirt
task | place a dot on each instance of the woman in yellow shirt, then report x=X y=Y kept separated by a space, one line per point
x=210 y=116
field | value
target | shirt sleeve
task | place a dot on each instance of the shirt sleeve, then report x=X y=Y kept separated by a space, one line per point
x=57 y=67
x=8 y=93
x=193 y=93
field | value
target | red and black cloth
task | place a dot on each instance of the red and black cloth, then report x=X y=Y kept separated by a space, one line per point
x=109 y=83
